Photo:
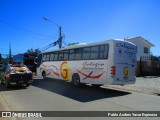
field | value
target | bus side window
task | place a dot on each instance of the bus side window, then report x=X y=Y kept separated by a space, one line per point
x=66 y=53
x=94 y=52
x=44 y=57
x=52 y=57
x=71 y=54
x=56 y=56
x=103 y=52
x=47 y=57
x=78 y=54
x=86 y=53
x=61 y=57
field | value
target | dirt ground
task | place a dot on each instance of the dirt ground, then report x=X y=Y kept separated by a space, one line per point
x=2 y=107
x=147 y=85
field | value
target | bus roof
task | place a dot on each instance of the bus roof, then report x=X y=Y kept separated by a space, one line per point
x=87 y=45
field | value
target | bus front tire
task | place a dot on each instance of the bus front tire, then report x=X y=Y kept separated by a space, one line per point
x=76 y=80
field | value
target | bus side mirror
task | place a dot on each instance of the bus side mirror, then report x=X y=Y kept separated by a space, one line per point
x=35 y=60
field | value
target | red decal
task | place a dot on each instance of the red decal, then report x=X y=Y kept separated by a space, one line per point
x=49 y=73
x=57 y=74
x=44 y=65
x=89 y=75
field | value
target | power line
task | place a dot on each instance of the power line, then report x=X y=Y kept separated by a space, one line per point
x=23 y=29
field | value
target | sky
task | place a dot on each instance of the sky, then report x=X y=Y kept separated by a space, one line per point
x=84 y=21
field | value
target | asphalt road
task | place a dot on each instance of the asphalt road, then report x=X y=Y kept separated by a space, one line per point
x=57 y=95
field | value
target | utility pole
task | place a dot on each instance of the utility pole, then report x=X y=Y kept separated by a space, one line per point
x=10 y=58
x=60 y=37
x=60 y=32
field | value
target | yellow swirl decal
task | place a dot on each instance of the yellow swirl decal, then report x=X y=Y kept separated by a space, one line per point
x=65 y=71
x=126 y=71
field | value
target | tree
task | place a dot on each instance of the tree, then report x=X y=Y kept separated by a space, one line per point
x=70 y=44
x=154 y=58
x=32 y=51
x=1 y=58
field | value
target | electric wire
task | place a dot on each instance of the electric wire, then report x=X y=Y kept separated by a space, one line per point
x=23 y=29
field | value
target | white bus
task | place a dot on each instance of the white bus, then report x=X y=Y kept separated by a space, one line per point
x=108 y=62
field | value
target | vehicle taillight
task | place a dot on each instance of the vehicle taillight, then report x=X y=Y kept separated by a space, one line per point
x=8 y=76
x=113 y=70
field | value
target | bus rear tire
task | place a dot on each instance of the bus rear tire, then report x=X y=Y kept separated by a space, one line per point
x=76 y=80
x=44 y=75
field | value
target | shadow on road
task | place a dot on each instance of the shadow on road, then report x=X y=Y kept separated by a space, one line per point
x=3 y=88
x=84 y=94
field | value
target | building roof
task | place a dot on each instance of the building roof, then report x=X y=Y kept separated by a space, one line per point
x=140 y=39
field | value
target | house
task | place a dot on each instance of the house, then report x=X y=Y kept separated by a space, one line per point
x=143 y=46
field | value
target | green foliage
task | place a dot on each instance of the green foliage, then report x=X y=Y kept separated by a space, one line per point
x=33 y=51
x=154 y=58
x=73 y=44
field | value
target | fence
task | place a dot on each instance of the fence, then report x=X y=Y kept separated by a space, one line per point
x=148 y=66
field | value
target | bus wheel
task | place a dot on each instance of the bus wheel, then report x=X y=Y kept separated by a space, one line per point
x=76 y=80
x=44 y=75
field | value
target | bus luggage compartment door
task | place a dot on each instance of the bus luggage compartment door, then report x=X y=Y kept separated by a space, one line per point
x=125 y=73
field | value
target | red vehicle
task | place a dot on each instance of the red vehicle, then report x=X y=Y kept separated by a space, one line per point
x=26 y=59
